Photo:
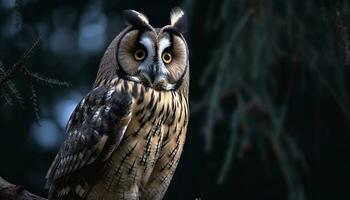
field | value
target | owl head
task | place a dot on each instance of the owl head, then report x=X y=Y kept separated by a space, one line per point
x=154 y=57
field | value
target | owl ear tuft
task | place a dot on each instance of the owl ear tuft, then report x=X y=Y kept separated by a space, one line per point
x=178 y=19
x=134 y=18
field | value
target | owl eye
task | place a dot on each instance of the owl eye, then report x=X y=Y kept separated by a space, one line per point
x=167 y=57
x=140 y=54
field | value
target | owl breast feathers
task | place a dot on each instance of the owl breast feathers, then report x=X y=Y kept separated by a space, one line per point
x=125 y=138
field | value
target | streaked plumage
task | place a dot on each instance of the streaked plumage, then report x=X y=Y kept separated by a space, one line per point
x=125 y=138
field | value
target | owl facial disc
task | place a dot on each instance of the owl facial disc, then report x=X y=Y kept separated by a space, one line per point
x=155 y=57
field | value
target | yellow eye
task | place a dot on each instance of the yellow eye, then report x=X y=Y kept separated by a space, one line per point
x=139 y=54
x=167 y=57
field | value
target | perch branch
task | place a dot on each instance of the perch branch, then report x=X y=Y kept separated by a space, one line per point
x=15 y=192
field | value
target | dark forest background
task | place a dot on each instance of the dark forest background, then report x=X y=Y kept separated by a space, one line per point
x=270 y=100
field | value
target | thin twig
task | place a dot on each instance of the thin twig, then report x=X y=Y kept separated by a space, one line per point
x=18 y=65
x=10 y=73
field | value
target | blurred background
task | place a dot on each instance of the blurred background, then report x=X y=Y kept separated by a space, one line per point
x=269 y=92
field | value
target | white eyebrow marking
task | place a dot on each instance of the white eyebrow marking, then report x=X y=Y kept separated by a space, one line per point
x=148 y=43
x=163 y=44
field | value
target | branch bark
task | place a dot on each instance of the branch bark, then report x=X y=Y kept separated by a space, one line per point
x=10 y=191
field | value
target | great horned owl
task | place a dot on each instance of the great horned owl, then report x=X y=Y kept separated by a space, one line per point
x=125 y=137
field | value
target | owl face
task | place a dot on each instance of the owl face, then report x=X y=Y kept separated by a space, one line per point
x=154 y=57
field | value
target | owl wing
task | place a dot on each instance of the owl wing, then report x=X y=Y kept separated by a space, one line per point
x=94 y=131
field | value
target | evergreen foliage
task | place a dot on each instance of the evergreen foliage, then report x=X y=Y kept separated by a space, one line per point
x=269 y=91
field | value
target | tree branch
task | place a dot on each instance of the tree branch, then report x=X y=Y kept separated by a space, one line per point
x=15 y=192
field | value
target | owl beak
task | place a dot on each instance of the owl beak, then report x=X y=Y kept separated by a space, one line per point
x=146 y=79
x=149 y=75
x=152 y=76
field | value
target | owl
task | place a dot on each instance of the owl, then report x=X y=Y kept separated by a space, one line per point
x=125 y=137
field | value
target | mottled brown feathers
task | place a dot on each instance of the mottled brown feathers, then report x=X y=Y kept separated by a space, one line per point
x=125 y=138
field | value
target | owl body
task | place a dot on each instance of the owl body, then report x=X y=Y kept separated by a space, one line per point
x=125 y=138
x=150 y=150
